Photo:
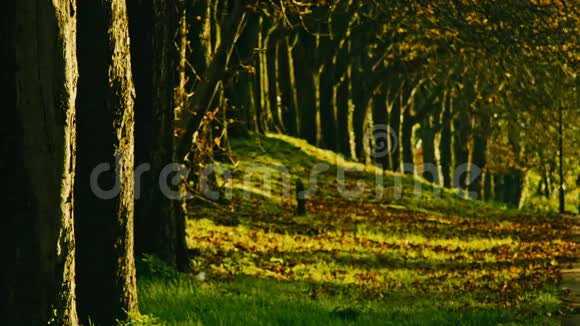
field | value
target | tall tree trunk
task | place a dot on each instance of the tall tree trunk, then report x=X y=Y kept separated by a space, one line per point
x=241 y=88
x=460 y=139
x=333 y=129
x=153 y=26
x=306 y=89
x=406 y=140
x=478 y=154
x=486 y=191
x=263 y=69
x=280 y=96
x=428 y=142
x=286 y=92
x=395 y=125
x=445 y=142
x=37 y=134
x=104 y=226
x=561 y=197
x=292 y=85
x=350 y=108
x=380 y=133
x=316 y=74
x=498 y=188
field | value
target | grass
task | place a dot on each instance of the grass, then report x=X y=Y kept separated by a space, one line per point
x=256 y=301
x=371 y=260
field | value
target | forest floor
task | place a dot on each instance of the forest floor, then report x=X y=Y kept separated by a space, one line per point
x=570 y=283
x=418 y=258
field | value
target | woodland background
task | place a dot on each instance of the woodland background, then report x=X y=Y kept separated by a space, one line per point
x=488 y=83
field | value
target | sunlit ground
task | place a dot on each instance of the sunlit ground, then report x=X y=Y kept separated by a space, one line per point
x=424 y=260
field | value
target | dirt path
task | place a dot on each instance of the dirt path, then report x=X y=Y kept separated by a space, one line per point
x=571 y=285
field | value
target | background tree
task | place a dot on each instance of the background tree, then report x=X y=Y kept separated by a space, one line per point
x=154 y=31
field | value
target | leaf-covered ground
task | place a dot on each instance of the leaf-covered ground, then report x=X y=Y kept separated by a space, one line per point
x=409 y=259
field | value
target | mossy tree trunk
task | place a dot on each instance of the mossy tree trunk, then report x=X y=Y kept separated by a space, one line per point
x=38 y=76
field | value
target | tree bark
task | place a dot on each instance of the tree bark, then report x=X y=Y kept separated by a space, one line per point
x=104 y=226
x=153 y=26
x=38 y=75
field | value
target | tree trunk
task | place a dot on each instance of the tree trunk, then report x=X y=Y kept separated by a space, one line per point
x=428 y=143
x=478 y=154
x=460 y=137
x=395 y=124
x=561 y=197
x=306 y=89
x=380 y=133
x=265 y=104
x=445 y=143
x=406 y=140
x=280 y=96
x=242 y=87
x=293 y=87
x=350 y=109
x=38 y=76
x=104 y=226
x=153 y=26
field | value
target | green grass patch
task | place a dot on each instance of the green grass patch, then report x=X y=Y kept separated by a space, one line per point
x=414 y=259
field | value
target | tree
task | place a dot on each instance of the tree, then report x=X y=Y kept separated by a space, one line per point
x=39 y=74
x=104 y=192
x=154 y=28
x=189 y=119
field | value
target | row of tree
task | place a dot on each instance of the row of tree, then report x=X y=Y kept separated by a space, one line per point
x=71 y=106
x=477 y=83
x=97 y=100
x=128 y=87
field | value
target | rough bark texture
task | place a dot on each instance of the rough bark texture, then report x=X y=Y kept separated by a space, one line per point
x=106 y=267
x=153 y=26
x=38 y=76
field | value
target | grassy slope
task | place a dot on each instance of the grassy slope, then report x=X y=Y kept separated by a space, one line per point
x=418 y=260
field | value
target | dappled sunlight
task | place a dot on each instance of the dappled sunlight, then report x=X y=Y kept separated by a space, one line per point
x=479 y=254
